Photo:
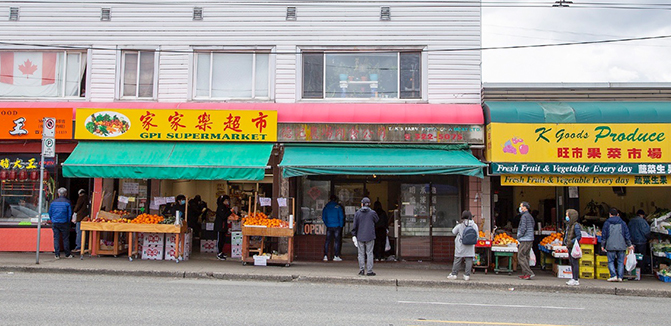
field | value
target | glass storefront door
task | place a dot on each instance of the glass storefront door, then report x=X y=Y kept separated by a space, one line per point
x=415 y=218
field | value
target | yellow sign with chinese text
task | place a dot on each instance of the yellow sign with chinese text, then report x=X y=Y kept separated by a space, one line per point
x=579 y=143
x=585 y=180
x=176 y=125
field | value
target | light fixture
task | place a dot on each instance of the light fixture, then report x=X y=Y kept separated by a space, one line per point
x=562 y=3
x=291 y=13
x=14 y=13
x=385 y=13
x=198 y=13
x=106 y=14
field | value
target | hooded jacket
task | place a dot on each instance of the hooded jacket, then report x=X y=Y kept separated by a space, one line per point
x=615 y=235
x=364 y=224
x=573 y=231
x=639 y=229
x=223 y=212
x=333 y=215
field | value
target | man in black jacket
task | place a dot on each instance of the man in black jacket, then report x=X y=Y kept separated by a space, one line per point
x=364 y=231
x=221 y=223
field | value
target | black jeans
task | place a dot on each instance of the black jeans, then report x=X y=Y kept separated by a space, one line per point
x=221 y=239
x=380 y=242
x=575 y=266
x=336 y=235
x=61 y=230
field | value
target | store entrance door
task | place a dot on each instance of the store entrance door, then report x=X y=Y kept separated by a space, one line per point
x=415 y=219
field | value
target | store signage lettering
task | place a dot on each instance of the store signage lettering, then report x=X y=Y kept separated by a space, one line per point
x=24 y=162
x=580 y=168
x=26 y=123
x=584 y=180
x=314 y=229
x=176 y=125
x=430 y=134
x=582 y=143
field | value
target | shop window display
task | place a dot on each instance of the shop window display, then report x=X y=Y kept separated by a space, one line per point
x=19 y=187
x=314 y=197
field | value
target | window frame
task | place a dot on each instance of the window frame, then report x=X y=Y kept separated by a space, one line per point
x=324 y=51
x=232 y=50
x=122 y=71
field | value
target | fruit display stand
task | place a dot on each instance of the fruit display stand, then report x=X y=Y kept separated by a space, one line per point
x=130 y=229
x=262 y=231
x=504 y=251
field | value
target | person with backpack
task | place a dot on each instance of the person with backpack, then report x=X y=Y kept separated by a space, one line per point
x=466 y=236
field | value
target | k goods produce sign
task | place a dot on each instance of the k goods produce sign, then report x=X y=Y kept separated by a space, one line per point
x=176 y=125
x=579 y=143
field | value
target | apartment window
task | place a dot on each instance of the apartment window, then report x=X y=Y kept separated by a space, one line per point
x=373 y=75
x=221 y=75
x=42 y=74
x=138 y=74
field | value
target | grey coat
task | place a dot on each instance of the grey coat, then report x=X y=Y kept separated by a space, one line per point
x=525 y=232
x=364 y=224
x=460 y=249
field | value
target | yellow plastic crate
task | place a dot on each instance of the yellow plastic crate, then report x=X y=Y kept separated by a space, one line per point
x=587 y=250
x=602 y=261
x=586 y=275
x=586 y=263
x=587 y=258
x=586 y=269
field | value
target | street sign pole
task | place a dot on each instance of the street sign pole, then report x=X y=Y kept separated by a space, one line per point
x=48 y=150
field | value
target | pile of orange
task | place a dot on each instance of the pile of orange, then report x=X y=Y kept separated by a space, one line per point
x=503 y=239
x=261 y=219
x=147 y=219
x=551 y=238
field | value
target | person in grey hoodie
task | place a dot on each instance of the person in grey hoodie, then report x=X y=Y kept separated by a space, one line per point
x=572 y=234
x=364 y=231
x=525 y=235
x=463 y=253
x=615 y=240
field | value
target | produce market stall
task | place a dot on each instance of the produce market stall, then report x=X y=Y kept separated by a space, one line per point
x=504 y=246
x=259 y=225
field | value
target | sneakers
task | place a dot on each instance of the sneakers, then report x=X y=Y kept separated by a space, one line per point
x=573 y=282
x=361 y=272
x=613 y=279
x=69 y=256
x=221 y=256
x=57 y=256
x=337 y=258
x=371 y=274
x=525 y=277
x=326 y=258
x=466 y=277
x=619 y=279
x=451 y=277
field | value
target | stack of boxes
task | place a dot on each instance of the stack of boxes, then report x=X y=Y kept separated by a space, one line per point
x=602 y=271
x=152 y=246
x=236 y=244
x=588 y=261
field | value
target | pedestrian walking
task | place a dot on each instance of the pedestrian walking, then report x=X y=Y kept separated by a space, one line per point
x=615 y=241
x=60 y=212
x=81 y=211
x=364 y=231
x=466 y=235
x=334 y=220
x=572 y=233
x=525 y=236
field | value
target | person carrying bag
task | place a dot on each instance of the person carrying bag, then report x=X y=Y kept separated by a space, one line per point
x=572 y=236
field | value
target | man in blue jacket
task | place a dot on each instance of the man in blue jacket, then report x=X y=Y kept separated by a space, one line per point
x=640 y=232
x=334 y=219
x=60 y=212
x=615 y=240
x=525 y=235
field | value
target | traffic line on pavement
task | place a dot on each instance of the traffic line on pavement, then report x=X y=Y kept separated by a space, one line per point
x=463 y=322
x=490 y=305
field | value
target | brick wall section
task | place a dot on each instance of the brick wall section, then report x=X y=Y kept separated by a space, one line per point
x=443 y=249
x=309 y=247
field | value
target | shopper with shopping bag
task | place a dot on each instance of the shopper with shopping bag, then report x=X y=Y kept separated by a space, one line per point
x=572 y=236
x=616 y=240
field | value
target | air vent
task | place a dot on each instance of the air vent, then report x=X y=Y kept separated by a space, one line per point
x=14 y=13
x=291 y=13
x=385 y=13
x=198 y=13
x=106 y=14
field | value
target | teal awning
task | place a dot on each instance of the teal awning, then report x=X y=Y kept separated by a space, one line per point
x=168 y=160
x=577 y=112
x=382 y=160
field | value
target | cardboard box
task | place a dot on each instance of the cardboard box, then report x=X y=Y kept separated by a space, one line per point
x=260 y=260
x=236 y=238
x=153 y=239
x=562 y=271
x=236 y=252
x=152 y=252
x=171 y=246
x=633 y=275
x=208 y=246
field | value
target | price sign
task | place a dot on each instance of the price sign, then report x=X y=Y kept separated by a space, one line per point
x=49 y=147
x=49 y=128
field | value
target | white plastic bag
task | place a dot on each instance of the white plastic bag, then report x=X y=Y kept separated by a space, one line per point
x=387 y=245
x=630 y=261
x=74 y=218
x=356 y=243
x=576 y=252
x=532 y=258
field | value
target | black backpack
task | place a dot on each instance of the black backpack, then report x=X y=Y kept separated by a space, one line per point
x=469 y=236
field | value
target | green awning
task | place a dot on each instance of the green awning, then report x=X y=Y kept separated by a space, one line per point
x=577 y=112
x=168 y=160
x=382 y=160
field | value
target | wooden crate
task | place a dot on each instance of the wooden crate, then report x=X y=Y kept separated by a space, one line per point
x=131 y=227
x=267 y=232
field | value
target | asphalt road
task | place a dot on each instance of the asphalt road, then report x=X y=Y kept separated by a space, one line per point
x=64 y=299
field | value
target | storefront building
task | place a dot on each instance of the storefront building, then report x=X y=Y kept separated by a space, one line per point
x=588 y=156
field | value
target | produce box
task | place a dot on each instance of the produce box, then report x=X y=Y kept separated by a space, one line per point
x=587 y=275
x=208 y=246
x=562 y=271
x=602 y=261
x=153 y=239
x=111 y=216
x=152 y=252
x=586 y=263
x=587 y=249
x=261 y=260
x=665 y=279
x=587 y=241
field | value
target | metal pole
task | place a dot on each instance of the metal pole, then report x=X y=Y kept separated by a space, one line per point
x=39 y=209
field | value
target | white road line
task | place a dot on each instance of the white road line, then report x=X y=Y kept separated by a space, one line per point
x=489 y=305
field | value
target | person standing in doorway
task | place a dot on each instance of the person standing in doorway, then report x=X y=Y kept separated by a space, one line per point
x=82 y=211
x=364 y=231
x=60 y=212
x=380 y=231
x=525 y=235
x=464 y=253
x=571 y=235
x=334 y=220
x=615 y=241
x=640 y=233
x=221 y=223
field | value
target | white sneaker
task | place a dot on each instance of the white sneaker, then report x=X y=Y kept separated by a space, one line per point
x=451 y=277
x=571 y=282
x=613 y=279
x=326 y=258
x=619 y=279
x=337 y=258
x=466 y=277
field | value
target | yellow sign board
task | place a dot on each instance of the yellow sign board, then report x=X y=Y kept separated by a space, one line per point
x=176 y=125
x=585 y=180
x=579 y=143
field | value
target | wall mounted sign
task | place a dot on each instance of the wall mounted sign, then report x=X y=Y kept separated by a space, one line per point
x=26 y=123
x=585 y=180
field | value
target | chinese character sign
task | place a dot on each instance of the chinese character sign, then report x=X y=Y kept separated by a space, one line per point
x=177 y=125
x=26 y=123
x=579 y=143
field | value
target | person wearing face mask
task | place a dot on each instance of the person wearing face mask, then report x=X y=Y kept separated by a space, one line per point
x=180 y=205
x=525 y=235
x=221 y=223
x=572 y=233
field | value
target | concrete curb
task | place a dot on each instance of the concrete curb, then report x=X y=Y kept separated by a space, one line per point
x=354 y=280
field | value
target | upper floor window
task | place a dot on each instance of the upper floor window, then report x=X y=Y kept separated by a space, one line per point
x=42 y=74
x=138 y=74
x=232 y=75
x=373 y=75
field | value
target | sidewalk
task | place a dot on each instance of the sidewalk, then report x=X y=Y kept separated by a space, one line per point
x=411 y=273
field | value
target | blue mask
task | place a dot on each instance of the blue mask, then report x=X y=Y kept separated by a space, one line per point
x=520 y=210
x=567 y=218
x=182 y=202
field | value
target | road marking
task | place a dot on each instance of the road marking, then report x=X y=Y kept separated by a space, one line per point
x=490 y=305
x=485 y=323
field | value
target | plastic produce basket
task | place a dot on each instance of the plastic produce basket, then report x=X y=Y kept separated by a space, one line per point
x=665 y=279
